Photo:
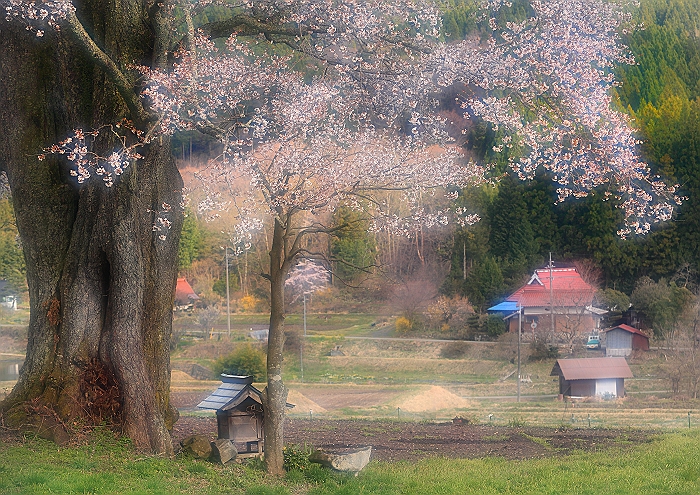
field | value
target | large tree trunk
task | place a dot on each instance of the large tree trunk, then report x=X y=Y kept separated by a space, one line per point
x=101 y=282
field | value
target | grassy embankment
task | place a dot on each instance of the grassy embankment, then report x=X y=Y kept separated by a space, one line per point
x=669 y=464
x=394 y=371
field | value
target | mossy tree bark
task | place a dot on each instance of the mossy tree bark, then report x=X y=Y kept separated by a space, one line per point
x=101 y=281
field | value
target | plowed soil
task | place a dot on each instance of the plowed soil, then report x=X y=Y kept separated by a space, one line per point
x=402 y=441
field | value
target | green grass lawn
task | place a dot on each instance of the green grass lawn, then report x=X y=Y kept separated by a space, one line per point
x=669 y=464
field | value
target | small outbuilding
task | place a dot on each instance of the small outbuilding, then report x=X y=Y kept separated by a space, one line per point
x=239 y=413
x=623 y=339
x=8 y=297
x=590 y=377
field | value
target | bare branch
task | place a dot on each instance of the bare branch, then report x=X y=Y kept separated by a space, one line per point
x=105 y=62
x=247 y=25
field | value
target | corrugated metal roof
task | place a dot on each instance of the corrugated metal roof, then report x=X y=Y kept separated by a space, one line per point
x=627 y=328
x=507 y=306
x=230 y=392
x=592 y=368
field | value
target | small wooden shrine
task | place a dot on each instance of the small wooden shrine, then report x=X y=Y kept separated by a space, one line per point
x=239 y=413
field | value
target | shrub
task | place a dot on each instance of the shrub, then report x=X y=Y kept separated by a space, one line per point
x=249 y=303
x=540 y=350
x=245 y=360
x=494 y=326
x=296 y=457
x=454 y=350
x=403 y=325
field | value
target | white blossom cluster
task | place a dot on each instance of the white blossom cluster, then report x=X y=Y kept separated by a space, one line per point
x=306 y=277
x=37 y=16
x=542 y=82
x=162 y=223
x=78 y=150
x=546 y=82
x=367 y=117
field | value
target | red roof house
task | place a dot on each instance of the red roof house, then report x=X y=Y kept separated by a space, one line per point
x=623 y=339
x=184 y=294
x=561 y=291
x=568 y=289
x=590 y=377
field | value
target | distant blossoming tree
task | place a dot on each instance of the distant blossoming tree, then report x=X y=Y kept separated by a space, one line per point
x=363 y=118
x=307 y=277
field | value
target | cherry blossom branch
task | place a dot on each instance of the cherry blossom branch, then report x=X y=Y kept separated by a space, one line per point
x=78 y=149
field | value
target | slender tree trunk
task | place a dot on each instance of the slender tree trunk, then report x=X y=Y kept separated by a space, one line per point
x=101 y=281
x=276 y=391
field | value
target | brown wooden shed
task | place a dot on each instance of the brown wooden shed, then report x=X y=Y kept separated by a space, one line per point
x=239 y=413
x=589 y=377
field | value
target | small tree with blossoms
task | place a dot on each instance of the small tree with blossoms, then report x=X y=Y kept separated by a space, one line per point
x=99 y=215
x=295 y=181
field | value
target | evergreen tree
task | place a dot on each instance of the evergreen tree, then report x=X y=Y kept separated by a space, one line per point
x=512 y=240
x=190 y=241
x=352 y=245
x=484 y=283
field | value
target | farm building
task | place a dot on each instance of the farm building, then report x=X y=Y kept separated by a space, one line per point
x=623 y=339
x=239 y=413
x=559 y=294
x=589 y=377
x=185 y=296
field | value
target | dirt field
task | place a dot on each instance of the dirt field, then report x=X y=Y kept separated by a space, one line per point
x=403 y=441
x=394 y=440
x=412 y=440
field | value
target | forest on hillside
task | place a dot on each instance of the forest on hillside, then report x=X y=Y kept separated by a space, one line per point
x=521 y=224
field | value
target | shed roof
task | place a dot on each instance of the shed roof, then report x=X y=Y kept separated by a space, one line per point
x=629 y=329
x=505 y=306
x=592 y=368
x=231 y=392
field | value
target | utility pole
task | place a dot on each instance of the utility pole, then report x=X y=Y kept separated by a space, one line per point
x=301 y=350
x=520 y=332
x=551 y=293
